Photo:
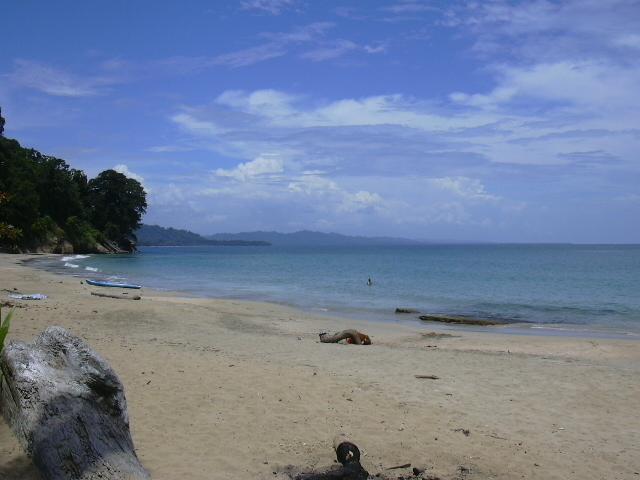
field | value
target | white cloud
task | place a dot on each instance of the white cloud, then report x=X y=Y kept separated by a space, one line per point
x=404 y=7
x=277 y=45
x=285 y=110
x=361 y=200
x=468 y=188
x=544 y=31
x=338 y=48
x=169 y=148
x=584 y=84
x=192 y=124
x=265 y=166
x=266 y=103
x=628 y=40
x=123 y=169
x=56 y=82
x=273 y=7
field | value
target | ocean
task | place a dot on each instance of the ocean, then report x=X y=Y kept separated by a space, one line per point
x=575 y=288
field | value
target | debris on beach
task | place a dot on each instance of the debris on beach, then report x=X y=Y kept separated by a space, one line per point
x=464 y=431
x=351 y=336
x=350 y=468
x=438 y=335
x=430 y=377
x=348 y=455
x=29 y=296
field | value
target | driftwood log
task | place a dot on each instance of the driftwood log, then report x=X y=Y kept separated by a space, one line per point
x=120 y=297
x=67 y=408
x=351 y=336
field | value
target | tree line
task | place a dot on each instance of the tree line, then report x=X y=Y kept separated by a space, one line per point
x=45 y=205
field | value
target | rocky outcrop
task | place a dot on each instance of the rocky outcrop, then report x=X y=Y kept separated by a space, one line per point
x=65 y=247
x=67 y=408
x=406 y=310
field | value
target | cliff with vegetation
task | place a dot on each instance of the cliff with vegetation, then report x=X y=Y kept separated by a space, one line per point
x=47 y=206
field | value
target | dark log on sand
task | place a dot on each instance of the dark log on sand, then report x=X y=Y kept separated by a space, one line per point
x=348 y=455
x=110 y=295
x=66 y=406
x=460 y=320
x=351 y=336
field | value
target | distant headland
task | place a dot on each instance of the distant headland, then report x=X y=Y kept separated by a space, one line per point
x=154 y=235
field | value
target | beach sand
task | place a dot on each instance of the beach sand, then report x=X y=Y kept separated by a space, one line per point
x=221 y=389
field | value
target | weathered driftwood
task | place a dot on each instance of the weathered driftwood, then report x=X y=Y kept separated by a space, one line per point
x=460 y=320
x=348 y=455
x=110 y=295
x=352 y=336
x=67 y=408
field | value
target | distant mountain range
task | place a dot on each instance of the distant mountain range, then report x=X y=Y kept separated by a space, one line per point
x=306 y=238
x=161 y=236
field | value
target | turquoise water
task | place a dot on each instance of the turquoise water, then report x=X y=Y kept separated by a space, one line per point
x=534 y=285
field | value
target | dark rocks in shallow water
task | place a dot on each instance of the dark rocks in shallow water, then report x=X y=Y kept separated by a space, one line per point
x=460 y=320
x=67 y=408
x=406 y=310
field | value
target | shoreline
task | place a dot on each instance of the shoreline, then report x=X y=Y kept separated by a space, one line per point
x=239 y=389
x=524 y=328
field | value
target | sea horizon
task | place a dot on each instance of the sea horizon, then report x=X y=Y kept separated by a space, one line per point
x=553 y=289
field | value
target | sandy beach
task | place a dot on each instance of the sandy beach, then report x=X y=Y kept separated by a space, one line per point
x=221 y=389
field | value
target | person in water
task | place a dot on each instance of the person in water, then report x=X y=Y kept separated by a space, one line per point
x=369 y=282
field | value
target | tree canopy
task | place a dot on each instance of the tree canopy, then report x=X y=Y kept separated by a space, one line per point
x=117 y=203
x=44 y=203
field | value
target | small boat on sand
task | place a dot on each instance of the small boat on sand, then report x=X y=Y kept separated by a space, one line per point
x=99 y=283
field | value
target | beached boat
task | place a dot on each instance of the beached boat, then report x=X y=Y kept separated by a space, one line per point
x=99 y=283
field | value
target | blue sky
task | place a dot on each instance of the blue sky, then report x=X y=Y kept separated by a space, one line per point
x=489 y=121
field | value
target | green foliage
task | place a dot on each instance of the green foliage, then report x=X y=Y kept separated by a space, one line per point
x=39 y=194
x=81 y=234
x=117 y=204
x=44 y=229
x=10 y=236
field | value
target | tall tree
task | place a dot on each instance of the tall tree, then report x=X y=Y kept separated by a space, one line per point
x=1 y=123
x=117 y=205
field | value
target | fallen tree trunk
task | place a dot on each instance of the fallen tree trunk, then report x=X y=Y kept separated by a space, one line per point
x=120 y=297
x=67 y=408
x=351 y=336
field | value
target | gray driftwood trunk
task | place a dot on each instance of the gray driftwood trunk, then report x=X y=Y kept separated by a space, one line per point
x=67 y=408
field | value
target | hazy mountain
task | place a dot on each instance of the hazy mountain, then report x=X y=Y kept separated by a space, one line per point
x=312 y=239
x=161 y=236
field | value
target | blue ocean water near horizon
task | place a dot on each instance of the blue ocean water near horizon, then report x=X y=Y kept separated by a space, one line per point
x=589 y=287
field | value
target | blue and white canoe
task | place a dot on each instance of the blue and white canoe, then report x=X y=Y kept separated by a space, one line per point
x=99 y=283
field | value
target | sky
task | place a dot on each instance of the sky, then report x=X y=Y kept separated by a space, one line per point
x=501 y=121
